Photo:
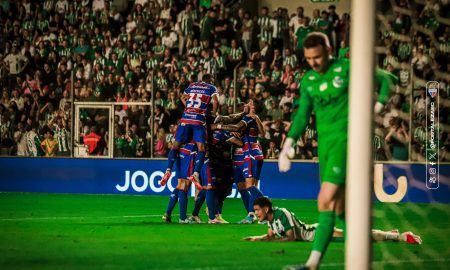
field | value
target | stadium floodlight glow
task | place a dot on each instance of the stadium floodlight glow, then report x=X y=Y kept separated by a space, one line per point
x=359 y=159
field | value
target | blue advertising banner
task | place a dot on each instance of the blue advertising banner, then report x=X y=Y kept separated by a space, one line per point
x=392 y=182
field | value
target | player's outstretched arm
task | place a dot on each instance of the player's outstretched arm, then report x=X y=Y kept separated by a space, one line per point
x=263 y=237
x=232 y=128
x=270 y=236
x=386 y=81
x=395 y=235
x=236 y=141
x=259 y=123
x=290 y=237
x=229 y=119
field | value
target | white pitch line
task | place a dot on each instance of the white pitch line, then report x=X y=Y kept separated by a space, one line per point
x=88 y=217
x=69 y=218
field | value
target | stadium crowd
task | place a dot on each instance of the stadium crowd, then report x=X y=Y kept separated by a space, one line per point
x=121 y=51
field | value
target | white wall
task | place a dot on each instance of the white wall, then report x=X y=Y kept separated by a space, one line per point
x=342 y=6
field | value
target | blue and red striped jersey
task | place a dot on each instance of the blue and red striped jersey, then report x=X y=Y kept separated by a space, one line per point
x=189 y=148
x=250 y=138
x=199 y=96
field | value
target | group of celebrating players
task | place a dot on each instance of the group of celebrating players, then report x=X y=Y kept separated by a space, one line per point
x=208 y=148
x=212 y=152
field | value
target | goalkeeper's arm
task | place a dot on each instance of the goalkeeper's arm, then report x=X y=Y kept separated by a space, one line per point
x=386 y=81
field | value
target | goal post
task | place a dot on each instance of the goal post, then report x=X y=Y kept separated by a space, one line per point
x=359 y=159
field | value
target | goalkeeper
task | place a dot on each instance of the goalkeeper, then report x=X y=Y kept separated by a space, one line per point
x=324 y=89
x=285 y=226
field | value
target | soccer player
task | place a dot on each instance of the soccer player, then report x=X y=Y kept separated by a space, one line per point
x=207 y=179
x=220 y=153
x=185 y=165
x=247 y=161
x=285 y=226
x=324 y=89
x=196 y=99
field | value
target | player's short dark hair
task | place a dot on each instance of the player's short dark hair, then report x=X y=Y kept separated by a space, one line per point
x=207 y=77
x=263 y=202
x=315 y=39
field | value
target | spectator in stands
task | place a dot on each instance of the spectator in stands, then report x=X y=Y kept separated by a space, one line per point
x=15 y=64
x=160 y=143
x=49 y=145
x=398 y=139
x=92 y=140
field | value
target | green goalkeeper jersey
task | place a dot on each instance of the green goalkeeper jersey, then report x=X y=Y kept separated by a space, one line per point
x=327 y=95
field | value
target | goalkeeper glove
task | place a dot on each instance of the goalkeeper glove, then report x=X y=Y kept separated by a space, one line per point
x=288 y=152
x=378 y=107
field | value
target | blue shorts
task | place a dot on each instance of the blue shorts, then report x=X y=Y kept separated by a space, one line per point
x=185 y=165
x=187 y=132
x=250 y=168
x=207 y=176
x=254 y=168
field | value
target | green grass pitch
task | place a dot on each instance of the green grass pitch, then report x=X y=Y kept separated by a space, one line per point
x=61 y=231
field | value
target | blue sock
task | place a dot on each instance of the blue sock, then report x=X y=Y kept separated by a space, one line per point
x=210 y=202
x=199 y=202
x=172 y=201
x=172 y=157
x=183 y=204
x=245 y=199
x=254 y=194
x=199 y=161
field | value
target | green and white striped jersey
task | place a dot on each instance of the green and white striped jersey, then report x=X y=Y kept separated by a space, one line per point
x=195 y=50
x=63 y=138
x=151 y=63
x=290 y=60
x=284 y=220
x=121 y=53
x=186 y=21
x=41 y=24
x=236 y=53
x=101 y=61
x=279 y=26
x=264 y=24
x=220 y=62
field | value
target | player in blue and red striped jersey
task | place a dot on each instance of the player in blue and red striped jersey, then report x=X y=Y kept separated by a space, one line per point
x=185 y=168
x=247 y=161
x=196 y=99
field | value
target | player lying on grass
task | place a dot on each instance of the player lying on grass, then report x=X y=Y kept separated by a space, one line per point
x=285 y=226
